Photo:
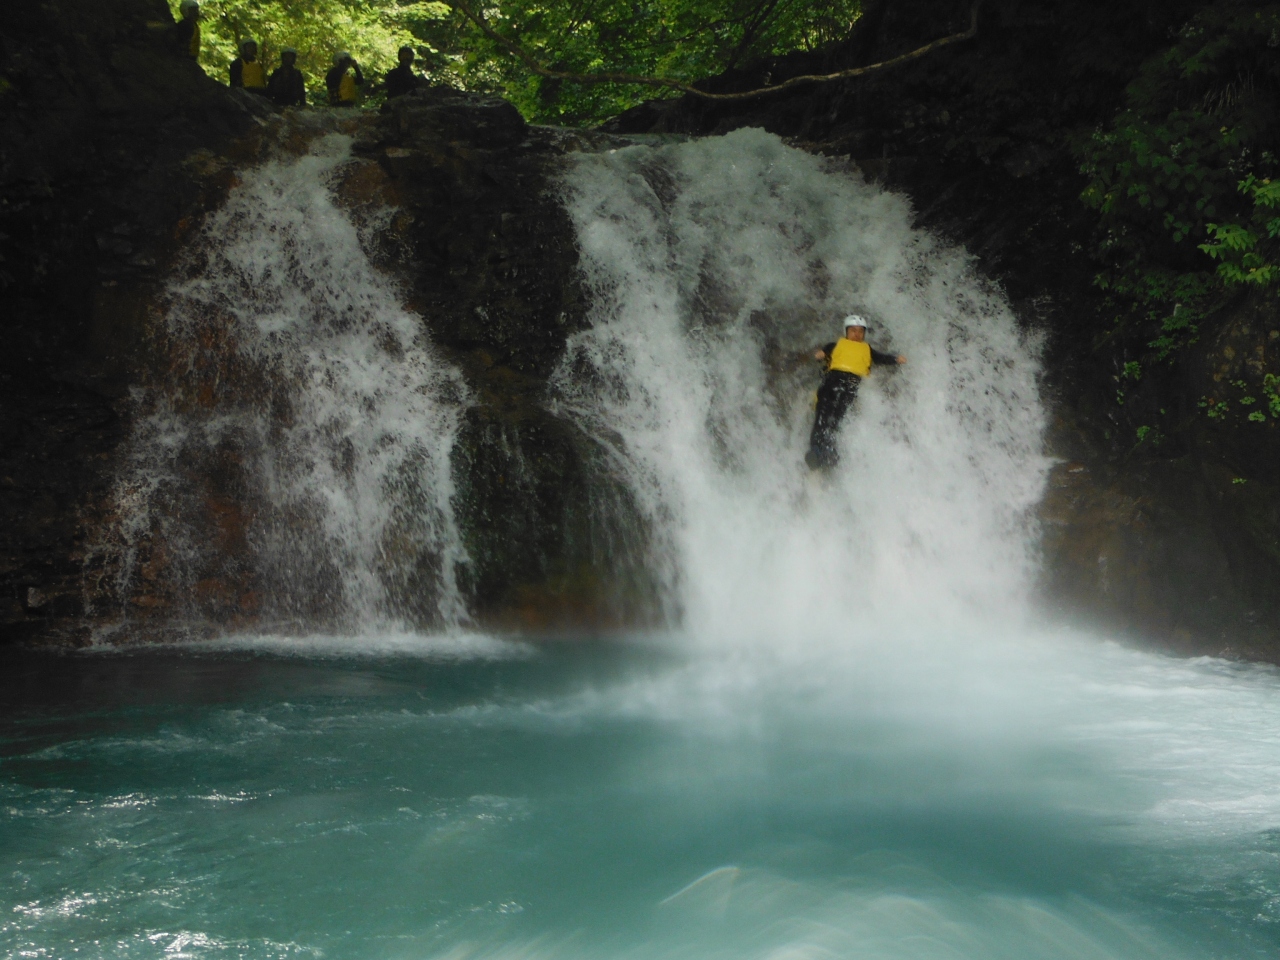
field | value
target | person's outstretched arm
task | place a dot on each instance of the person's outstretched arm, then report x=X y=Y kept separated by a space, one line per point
x=878 y=357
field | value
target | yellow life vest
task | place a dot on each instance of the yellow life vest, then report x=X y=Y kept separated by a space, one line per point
x=347 y=88
x=253 y=76
x=194 y=49
x=851 y=356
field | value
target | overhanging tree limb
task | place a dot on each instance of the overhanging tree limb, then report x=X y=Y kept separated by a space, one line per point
x=523 y=55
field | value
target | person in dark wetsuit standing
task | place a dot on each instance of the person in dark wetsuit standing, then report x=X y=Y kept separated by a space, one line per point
x=287 y=87
x=186 y=32
x=401 y=80
x=849 y=359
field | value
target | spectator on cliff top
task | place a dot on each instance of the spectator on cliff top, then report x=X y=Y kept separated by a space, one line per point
x=186 y=32
x=246 y=71
x=344 y=80
x=286 y=86
x=401 y=79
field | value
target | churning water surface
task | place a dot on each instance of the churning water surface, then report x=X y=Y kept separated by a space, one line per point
x=1050 y=798
x=854 y=741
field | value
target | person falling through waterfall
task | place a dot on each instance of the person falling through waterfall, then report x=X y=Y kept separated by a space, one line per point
x=849 y=359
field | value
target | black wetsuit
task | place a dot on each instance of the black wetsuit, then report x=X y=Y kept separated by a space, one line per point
x=286 y=87
x=401 y=80
x=181 y=38
x=835 y=396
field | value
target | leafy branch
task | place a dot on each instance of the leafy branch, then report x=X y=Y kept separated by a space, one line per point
x=534 y=66
x=1235 y=245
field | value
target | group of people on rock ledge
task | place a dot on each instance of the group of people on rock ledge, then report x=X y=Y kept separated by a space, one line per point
x=286 y=86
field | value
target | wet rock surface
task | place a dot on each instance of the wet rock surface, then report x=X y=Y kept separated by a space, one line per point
x=491 y=263
x=110 y=146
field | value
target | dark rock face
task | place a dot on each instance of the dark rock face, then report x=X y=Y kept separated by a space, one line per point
x=495 y=256
x=105 y=136
x=553 y=540
x=1170 y=547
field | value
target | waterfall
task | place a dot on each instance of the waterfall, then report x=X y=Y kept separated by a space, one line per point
x=292 y=465
x=716 y=267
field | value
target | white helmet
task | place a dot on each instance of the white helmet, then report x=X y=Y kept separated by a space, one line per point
x=853 y=320
x=342 y=56
x=188 y=5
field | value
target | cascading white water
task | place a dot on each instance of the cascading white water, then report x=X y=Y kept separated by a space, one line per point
x=716 y=266
x=310 y=394
x=1020 y=796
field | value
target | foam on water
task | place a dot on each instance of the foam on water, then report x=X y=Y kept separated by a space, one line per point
x=449 y=645
x=520 y=808
x=716 y=266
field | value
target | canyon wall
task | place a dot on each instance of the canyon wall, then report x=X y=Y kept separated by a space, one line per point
x=113 y=149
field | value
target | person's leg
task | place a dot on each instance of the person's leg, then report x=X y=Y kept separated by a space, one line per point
x=820 y=435
x=834 y=397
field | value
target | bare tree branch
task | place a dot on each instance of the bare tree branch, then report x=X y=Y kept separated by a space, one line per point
x=750 y=31
x=519 y=52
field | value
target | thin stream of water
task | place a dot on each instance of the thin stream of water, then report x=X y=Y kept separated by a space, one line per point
x=300 y=447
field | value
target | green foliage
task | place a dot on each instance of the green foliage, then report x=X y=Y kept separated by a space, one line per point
x=1149 y=435
x=1271 y=390
x=372 y=30
x=682 y=39
x=1220 y=409
x=1182 y=178
x=1243 y=250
